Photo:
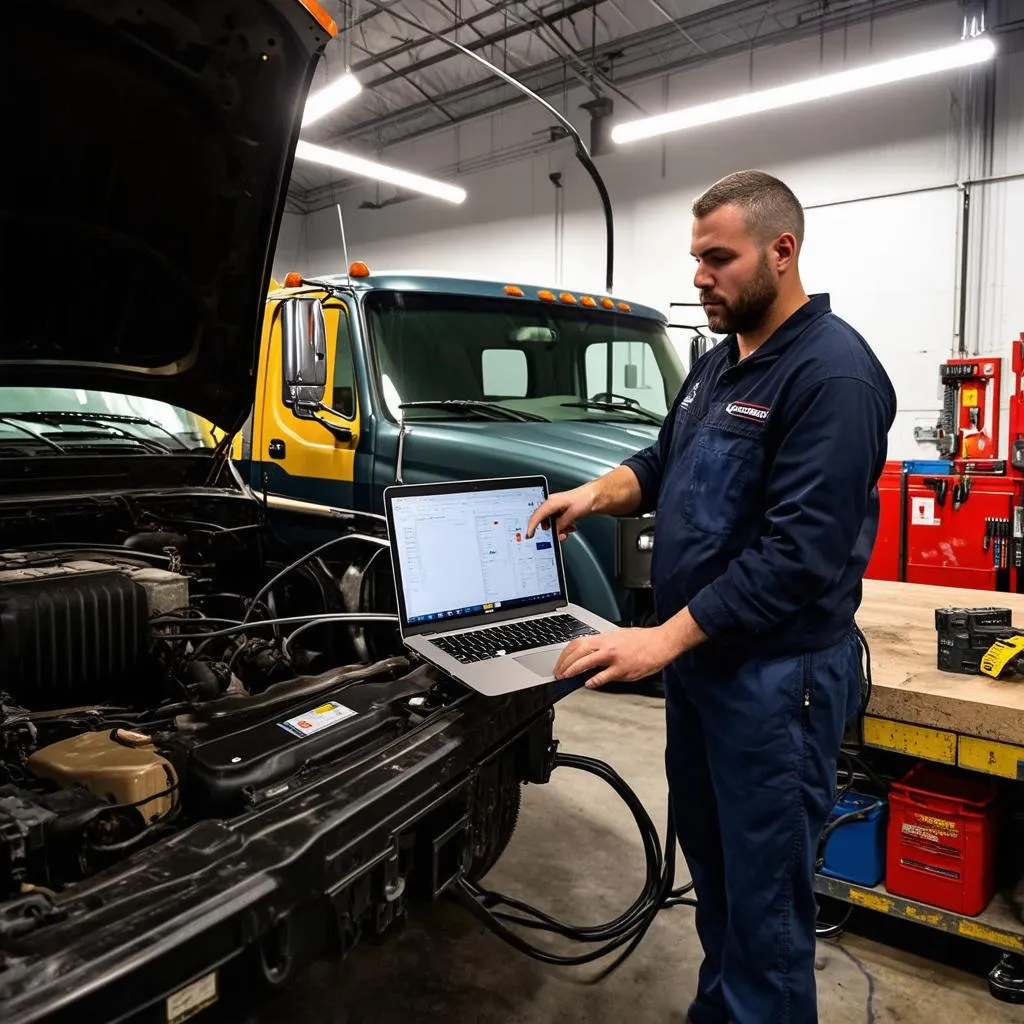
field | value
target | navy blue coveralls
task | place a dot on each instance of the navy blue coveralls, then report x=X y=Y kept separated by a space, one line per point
x=764 y=481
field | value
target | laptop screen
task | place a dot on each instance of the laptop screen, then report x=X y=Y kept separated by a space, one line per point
x=466 y=553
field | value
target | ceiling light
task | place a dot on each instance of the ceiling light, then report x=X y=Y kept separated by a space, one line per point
x=379 y=172
x=330 y=97
x=957 y=56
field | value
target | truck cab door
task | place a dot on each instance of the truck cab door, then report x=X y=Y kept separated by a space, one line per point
x=309 y=457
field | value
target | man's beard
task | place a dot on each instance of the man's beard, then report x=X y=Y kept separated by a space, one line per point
x=747 y=313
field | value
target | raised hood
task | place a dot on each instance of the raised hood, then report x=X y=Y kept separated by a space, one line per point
x=149 y=149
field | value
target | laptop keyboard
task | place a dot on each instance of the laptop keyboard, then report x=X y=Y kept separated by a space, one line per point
x=496 y=641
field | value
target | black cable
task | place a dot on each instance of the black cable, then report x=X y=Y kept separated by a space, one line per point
x=305 y=558
x=830 y=931
x=628 y=929
x=866 y=680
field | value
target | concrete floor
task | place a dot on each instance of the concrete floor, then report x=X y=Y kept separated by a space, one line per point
x=581 y=864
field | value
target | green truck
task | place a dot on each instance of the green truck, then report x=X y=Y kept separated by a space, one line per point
x=418 y=377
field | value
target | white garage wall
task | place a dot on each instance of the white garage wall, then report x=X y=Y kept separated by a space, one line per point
x=877 y=172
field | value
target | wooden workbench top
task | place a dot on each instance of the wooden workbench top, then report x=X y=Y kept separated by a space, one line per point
x=898 y=620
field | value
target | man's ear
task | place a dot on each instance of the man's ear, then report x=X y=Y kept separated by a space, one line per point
x=784 y=252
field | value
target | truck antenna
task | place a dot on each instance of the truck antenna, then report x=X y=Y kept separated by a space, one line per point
x=344 y=246
x=582 y=153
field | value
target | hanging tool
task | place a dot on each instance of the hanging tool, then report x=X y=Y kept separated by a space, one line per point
x=997 y=536
x=961 y=492
x=939 y=484
x=1018 y=536
x=968 y=426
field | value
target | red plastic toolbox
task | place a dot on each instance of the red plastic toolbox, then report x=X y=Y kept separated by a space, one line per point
x=941 y=842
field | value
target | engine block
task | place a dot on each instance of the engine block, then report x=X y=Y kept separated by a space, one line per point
x=78 y=632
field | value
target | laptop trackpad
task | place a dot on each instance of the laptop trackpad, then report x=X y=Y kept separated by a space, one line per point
x=542 y=663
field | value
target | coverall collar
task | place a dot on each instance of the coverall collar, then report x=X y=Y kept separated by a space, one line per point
x=788 y=331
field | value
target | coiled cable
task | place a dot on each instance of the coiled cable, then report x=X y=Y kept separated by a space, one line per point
x=630 y=927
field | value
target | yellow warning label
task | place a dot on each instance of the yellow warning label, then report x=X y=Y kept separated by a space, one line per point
x=941 y=824
x=992 y=936
x=923 y=916
x=871 y=900
x=930 y=744
x=990 y=757
x=969 y=396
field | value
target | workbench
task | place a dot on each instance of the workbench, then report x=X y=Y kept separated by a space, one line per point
x=972 y=722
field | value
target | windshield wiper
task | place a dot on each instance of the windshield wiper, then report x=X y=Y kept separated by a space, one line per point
x=639 y=410
x=10 y=421
x=107 y=421
x=496 y=411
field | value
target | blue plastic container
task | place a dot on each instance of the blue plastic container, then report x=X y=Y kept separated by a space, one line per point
x=929 y=467
x=855 y=851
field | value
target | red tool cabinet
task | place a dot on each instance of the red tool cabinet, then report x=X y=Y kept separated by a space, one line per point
x=959 y=521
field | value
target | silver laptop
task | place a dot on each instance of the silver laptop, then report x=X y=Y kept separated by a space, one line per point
x=476 y=597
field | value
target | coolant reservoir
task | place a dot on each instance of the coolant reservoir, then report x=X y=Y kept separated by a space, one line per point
x=126 y=774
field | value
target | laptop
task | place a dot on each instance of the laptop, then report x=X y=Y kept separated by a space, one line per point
x=476 y=597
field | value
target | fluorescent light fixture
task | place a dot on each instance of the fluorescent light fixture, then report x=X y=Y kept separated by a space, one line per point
x=330 y=97
x=914 y=66
x=379 y=172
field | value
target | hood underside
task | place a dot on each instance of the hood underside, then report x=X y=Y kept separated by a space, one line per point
x=147 y=168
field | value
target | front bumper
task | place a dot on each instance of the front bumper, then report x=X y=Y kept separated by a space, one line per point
x=331 y=852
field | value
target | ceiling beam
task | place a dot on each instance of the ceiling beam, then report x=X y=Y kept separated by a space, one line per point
x=533 y=78
x=494 y=39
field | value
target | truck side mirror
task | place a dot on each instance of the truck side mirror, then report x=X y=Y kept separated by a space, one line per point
x=699 y=345
x=303 y=354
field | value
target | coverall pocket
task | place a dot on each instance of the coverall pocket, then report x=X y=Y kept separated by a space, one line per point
x=723 y=476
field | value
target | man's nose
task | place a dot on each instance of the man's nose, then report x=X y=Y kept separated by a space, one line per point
x=702 y=279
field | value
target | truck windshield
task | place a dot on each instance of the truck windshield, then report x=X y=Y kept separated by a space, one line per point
x=69 y=420
x=454 y=356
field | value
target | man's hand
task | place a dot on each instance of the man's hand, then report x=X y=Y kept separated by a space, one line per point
x=624 y=655
x=566 y=508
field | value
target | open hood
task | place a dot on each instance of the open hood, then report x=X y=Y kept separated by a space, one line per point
x=150 y=145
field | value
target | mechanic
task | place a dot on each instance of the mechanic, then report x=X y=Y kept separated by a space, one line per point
x=764 y=481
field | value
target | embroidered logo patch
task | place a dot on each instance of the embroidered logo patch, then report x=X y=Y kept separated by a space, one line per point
x=748 y=411
x=692 y=394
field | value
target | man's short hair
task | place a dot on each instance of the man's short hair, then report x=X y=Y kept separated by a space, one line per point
x=769 y=206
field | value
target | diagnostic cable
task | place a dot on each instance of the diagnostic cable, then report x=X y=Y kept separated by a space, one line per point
x=658 y=893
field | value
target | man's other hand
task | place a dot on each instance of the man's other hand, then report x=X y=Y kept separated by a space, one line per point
x=566 y=508
x=623 y=655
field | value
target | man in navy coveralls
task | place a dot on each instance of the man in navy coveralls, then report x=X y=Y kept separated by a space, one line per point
x=764 y=483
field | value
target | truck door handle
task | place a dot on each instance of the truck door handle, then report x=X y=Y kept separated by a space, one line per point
x=338 y=432
x=276 y=449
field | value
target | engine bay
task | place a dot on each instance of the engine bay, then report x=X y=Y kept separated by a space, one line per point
x=166 y=658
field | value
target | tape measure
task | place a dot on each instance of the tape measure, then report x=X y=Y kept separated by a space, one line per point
x=1000 y=655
